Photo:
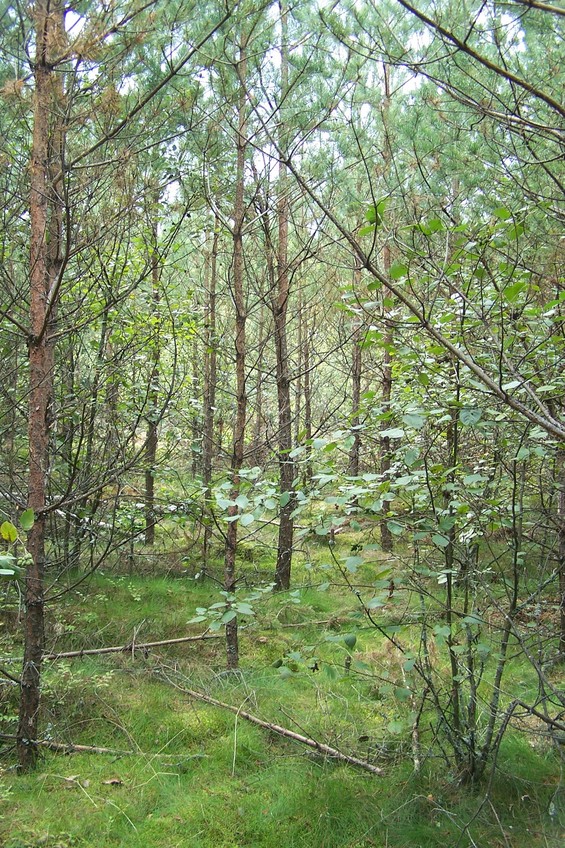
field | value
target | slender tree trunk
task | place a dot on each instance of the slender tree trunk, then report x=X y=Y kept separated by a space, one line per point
x=67 y=432
x=356 y=374
x=280 y=312
x=386 y=397
x=298 y=388
x=307 y=399
x=82 y=510
x=152 y=435
x=449 y=554
x=232 y=646
x=46 y=260
x=386 y=390
x=210 y=384
x=258 y=435
x=196 y=422
x=560 y=462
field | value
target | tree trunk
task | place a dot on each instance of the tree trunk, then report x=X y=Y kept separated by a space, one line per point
x=356 y=373
x=298 y=386
x=280 y=312
x=560 y=462
x=210 y=383
x=386 y=390
x=386 y=397
x=307 y=400
x=238 y=270
x=258 y=428
x=152 y=435
x=46 y=262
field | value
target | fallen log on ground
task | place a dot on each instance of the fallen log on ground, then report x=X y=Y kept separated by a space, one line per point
x=321 y=747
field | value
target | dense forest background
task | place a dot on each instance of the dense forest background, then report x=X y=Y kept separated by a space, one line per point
x=282 y=329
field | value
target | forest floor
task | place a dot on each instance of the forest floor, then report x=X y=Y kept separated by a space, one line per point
x=182 y=772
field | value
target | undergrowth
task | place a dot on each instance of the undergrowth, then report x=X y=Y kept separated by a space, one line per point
x=182 y=772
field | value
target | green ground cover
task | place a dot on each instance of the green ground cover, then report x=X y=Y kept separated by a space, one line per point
x=197 y=775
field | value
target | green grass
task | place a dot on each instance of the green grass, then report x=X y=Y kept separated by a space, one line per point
x=201 y=777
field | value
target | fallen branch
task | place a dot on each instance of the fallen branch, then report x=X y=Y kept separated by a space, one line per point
x=69 y=748
x=333 y=753
x=131 y=647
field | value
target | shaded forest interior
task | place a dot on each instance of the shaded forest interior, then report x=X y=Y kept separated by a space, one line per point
x=282 y=493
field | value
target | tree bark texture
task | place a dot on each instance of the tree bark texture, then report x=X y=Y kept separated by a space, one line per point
x=210 y=383
x=356 y=374
x=46 y=263
x=280 y=313
x=152 y=435
x=560 y=462
x=386 y=389
x=238 y=289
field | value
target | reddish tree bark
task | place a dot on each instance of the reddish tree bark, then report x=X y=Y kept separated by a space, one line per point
x=46 y=262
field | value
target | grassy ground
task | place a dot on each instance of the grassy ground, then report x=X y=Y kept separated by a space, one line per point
x=197 y=775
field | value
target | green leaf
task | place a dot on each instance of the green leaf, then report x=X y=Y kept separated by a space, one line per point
x=27 y=519
x=472 y=619
x=398 y=270
x=502 y=213
x=297 y=451
x=423 y=378
x=285 y=672
x=414 y=419
x=350 y=640
x=402 y=693
x=7 y=560
x=244 y=609
x=374 y=214
x=246 y=519
x=523 y=453
x=8 y=573
x=8 y=531
x=440 y=541
x=284 y=498
x=352 y=563
x=411 y=456
x=392 y=433
x=395 y=528
x=511 y=293
x=469 y=416
x=473 y=479
x=228 y=616
x=434 y=225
